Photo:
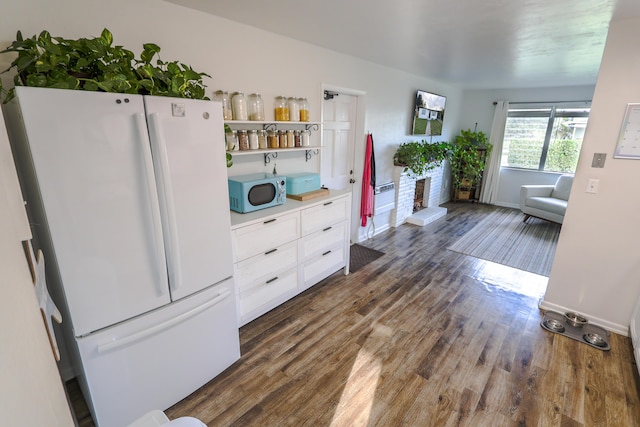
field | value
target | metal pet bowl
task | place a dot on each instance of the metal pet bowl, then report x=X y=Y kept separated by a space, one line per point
x=554 y=325
x=595 y=339
x=575 y=320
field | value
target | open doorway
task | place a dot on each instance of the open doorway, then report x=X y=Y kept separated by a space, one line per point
x=343 y=145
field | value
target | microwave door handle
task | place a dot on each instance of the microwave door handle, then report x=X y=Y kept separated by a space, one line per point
x=141 y=127
x=159 y=147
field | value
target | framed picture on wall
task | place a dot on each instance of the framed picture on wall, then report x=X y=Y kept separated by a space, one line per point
x=428 y=114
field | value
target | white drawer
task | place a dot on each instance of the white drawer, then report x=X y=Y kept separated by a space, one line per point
x=323 y=265
x=269 y=293
x=321 y=216
x=266 y=235
x=319 y=242
x=266 y=265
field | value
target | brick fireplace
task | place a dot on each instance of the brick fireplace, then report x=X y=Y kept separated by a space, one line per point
x=405 y=198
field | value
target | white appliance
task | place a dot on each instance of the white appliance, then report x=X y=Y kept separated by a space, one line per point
x=128 y=199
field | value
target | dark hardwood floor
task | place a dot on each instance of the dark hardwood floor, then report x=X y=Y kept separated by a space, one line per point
x=423 y=336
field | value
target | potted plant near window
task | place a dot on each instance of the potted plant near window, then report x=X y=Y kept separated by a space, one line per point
x=421 y=157
x=469 y=152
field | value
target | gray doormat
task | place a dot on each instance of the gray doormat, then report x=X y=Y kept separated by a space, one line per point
x=361 y=256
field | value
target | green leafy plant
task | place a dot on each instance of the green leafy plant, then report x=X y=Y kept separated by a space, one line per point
x=96 y=64
x=421 y=157
x=168 y=78
x=469 y=153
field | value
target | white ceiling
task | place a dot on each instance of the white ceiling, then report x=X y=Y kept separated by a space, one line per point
x=472 y=43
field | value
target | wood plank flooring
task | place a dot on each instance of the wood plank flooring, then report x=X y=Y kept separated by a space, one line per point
x=422 y=336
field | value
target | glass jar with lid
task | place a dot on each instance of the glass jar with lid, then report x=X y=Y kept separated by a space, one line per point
x=294 y=109
x=243 y=140
x=256 y=107
x=282 y=138
x=253 y=139
x=281 y=109
x=262 y=139
x=290 y=139
x=272 y=139
x=304 y=109
x=223 y=97
x=232 y=140
x=305 y=137
x=296 y=138
x=239 y=106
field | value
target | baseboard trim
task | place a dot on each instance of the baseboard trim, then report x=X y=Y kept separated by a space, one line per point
x=507 y=205
x=610 y=326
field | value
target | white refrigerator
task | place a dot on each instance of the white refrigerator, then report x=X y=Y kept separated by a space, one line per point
x=127 y=197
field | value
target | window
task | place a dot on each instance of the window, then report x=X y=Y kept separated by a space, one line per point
x=544 y=138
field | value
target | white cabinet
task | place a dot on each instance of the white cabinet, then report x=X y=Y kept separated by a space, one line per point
x=281 y=251
x=325 y=242
x=265 y=235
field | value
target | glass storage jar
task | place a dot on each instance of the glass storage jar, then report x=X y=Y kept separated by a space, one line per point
x=256 y=107
x=296 y=138
x=243 y=140
x=239 y=106
x=223 y=97
x=253 y=140
x=272 y=139
x=305 y=137
x=304 y=109
x=294 y=109
x=232 y=140
x=282 y=139
x=290 y=140
x=262 y=139
x=281 y=109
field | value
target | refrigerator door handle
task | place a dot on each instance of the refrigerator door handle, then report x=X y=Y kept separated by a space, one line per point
x=141 y=126
x=159 y=147
x=140 y=335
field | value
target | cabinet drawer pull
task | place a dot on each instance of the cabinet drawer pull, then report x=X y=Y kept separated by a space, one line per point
x=326 y=253
x=272 y=280
x=327 y=204
x=270 y=220
x=327 y=229
x=271 y=251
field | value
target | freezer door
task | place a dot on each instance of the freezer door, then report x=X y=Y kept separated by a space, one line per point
x=187 y=140
x=91 y=159
x=158 y=359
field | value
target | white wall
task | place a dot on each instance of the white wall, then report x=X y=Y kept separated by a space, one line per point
x=244 y=58
x=478 y=108
x=31 y=393
x=596 y=270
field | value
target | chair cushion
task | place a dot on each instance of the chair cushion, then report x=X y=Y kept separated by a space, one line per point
x=563 y=187
x=550 y=204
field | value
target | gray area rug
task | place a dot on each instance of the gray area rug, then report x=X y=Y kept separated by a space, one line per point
x=503 y=238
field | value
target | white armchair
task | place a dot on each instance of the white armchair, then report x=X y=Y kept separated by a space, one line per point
x=546 y=201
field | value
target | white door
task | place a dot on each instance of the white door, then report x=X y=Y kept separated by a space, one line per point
x=92 y=161
x=338 y=141
x=187 y=141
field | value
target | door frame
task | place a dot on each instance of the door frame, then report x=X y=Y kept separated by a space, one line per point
x=358 y=155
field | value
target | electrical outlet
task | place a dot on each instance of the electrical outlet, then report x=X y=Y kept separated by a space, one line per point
x=592 y=185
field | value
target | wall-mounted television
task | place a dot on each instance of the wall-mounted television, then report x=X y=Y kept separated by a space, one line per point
x=428 y=114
